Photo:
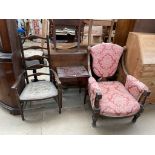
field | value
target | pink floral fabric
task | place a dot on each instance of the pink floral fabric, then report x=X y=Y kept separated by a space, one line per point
x=106 y=57
x=135 y=87
x=93 y=88
x=116 y=100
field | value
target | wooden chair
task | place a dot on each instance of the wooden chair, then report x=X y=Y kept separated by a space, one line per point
x=39 y=90
x=107 y=28
x=108 y=96
x=76 y=25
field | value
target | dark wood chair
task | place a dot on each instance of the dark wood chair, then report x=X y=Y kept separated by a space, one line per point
x=108 y=96
x=76 y=26
x=41 y=89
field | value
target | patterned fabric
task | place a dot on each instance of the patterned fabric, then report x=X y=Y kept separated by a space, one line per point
x=72 y=71
x=38 y=90
x=116 y=100
x=135 y=87
x=106 y=57
x=35 y=26
x=93 y=88
x=32 y=52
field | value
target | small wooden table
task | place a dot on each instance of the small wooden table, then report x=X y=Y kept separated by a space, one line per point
x=74 y=72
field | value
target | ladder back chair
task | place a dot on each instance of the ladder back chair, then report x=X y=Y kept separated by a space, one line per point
x=40 y=89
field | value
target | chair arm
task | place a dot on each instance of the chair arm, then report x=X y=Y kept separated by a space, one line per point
x=56 y=77
x=136 y=88
x=94 y=92
x=17 y=82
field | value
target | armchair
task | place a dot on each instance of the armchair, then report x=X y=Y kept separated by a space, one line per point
x=27 y=91
x=113 y=98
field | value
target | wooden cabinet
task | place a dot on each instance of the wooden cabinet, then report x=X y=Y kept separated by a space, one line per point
x=124 y=26
x=10 y=64
x=140 y=59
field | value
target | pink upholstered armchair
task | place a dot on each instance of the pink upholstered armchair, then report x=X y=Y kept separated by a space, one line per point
x=112 y=98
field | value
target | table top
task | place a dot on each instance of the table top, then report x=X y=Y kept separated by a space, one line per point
x=72 y=71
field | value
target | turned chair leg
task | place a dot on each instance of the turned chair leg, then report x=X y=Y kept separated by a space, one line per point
x=135 y=118
x=94 y=120
x=59 y=104
x=21 y=111
x=22 y=114
x=85 y=95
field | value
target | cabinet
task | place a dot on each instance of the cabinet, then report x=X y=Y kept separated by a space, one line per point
x=10 y=63
x=140 y=59
x=124 y=26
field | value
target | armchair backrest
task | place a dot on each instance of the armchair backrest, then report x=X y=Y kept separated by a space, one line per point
x=105 y=57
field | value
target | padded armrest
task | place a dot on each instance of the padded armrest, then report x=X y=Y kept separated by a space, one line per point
x=94 y=90
x=135 y=87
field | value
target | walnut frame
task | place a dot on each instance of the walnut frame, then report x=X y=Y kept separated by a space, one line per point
x=96 y=109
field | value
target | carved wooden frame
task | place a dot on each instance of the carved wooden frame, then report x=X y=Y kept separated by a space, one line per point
x=96 y=109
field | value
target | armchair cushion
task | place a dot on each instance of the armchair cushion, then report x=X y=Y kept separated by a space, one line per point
x=38 y=90
x=93 y=88
x=135 y=87
x=116 y=100
x=106 y=57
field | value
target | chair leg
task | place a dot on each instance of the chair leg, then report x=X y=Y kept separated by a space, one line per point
x=22 y=114
x=135 y=118
x=21 y=111
x=94 y=119
x=85 y=95
x=60 y=103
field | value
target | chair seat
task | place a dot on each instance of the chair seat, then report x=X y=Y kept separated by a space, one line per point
x=38 y=90
x=116 y=100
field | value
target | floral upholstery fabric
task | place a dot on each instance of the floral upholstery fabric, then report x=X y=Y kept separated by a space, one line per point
x=106 y=57
x=135 y=87
x=38 y=90
x=116 y=101
x=93 y=88
x=32 y=52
